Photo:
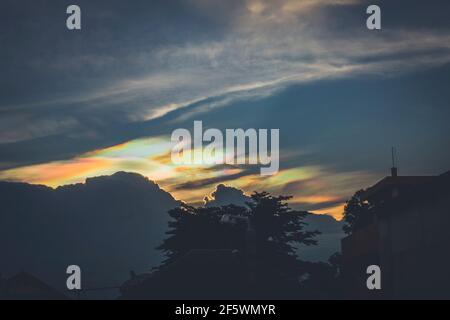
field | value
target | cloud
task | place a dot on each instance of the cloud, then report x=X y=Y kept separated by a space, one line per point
x=102 y=88
x=207 y=182
x=266 y=46
x=225 y=195
x=284 y=9
x=19 y=127
x=313 y=187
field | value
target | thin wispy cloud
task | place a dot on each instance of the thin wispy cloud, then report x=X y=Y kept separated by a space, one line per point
x=268 y=45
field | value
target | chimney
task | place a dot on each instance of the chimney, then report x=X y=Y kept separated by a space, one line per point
x=394 y=172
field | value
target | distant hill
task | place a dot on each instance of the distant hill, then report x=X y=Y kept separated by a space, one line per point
x=329 y=239
x=108 y=226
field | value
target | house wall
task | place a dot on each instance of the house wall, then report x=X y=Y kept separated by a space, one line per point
x=414 y=254
x=359 y=251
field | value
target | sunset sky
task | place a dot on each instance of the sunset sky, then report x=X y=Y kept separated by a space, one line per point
x=78 y=104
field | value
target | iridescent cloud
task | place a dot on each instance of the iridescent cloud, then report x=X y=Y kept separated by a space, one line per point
x=313 y=187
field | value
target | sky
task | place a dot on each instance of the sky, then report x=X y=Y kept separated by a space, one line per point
x=78 y=104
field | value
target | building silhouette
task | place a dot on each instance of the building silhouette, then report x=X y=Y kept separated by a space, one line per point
x=407 y=235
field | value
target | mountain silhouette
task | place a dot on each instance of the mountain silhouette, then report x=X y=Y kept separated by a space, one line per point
x=329 y=240
x=108 y=226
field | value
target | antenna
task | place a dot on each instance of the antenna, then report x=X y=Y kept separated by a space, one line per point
x=394 y=170
x=393 y=157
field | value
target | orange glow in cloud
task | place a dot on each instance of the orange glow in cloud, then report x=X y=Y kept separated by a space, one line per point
x=57 y=173
x=314 y=199
x=336 y=211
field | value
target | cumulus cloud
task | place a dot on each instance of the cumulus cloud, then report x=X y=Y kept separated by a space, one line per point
x=225 y=195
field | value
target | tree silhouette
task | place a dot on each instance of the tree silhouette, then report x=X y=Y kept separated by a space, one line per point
x=201 y=228
x=279 y=230
x=268 y=230
x=357 y=213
